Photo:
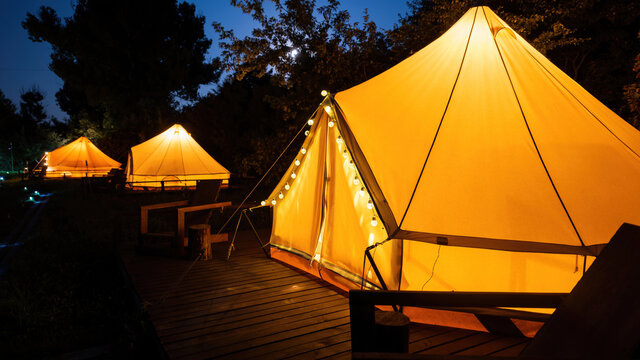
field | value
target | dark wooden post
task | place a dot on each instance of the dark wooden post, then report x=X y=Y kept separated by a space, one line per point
x=199 y=241
x=392 y=332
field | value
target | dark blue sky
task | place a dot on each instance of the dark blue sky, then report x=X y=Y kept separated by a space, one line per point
x=24 y=64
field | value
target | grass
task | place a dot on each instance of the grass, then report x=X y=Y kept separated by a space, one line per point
x=64 y=290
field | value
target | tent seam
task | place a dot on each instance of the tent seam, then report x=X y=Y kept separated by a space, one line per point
x=535 y=145
x=464 y=55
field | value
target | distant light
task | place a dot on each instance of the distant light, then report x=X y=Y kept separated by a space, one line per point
x=1 y=178
x=297 y=162
x=369 y=204
x=286 y=186
x=324 y=92
x=327 y=109
x=25 y=189
x=263 y=203
x=310 y=122
x=30 y=198
x=374 y=222
x=280 y=196
x=303 y=151
x=36 y=192
x=293 y=175
x=273 y=202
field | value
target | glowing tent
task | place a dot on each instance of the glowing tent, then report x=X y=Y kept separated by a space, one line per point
x=171 y=159
x=80 y=158
x=475 y=165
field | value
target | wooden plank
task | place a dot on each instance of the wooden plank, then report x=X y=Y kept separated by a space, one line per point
x=514 y=350
x=296 y=314
x=492 y=346
x=462 y=343
x=242 y=336
x=440 y=339
x=196 y=352
x=239 y=311
x=295 y=346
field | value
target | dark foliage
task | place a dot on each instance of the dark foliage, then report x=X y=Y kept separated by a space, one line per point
x=124 y=62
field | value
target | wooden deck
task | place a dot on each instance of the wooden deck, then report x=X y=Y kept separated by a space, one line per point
x=253 y=307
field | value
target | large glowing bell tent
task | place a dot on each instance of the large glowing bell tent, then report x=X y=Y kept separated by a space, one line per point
x=475 y=164
x=171 y=159
x=79 y=158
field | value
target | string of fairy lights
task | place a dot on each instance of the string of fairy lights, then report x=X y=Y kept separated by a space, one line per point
x=362 y=199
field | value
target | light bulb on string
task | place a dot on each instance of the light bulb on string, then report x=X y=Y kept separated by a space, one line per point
x=273 y=202
x=306 y=133
x=286 y=186
x=339 y=139
x=331 y=123
x=303 y=151
x=327 y=109
x=263 y=203
x=297 y=162
x=374 y=221
x=280 y=196
x=356 y=181
x=369 y=204
x=345 y=154
x=324 y=93
x=351 y=165
x=310 y=122
x=361 y=192
x=293 y=175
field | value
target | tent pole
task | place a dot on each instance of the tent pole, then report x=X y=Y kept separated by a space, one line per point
x=375 y=269
x=262 y=245
x=233 y=239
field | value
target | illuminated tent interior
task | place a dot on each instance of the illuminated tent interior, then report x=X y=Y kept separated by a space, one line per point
x=475 y=164
x=171 y=159
x=80 y=158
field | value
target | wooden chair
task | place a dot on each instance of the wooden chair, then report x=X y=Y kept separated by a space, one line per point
x=599 y=319
x=198 y=210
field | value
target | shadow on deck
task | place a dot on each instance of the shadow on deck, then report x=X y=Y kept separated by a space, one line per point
x=253 y=307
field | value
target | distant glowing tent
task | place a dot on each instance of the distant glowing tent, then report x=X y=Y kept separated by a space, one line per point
x=79 y=158
x=476 y=163
x=172 y=159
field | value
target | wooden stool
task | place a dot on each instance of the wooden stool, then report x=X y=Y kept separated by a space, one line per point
x=392 y=332
x=199 y=241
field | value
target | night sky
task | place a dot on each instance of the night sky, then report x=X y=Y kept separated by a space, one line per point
x=24 y=64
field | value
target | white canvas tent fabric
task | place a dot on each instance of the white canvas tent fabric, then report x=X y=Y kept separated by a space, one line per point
x=172 y=159
x=476 y=164
x=79 y=158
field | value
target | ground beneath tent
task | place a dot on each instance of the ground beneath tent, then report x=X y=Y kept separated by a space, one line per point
x=253 y=307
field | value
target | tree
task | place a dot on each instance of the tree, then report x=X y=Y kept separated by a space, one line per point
x=125 y=61
x=632 y=95
x=307 y=48
x=27 y=132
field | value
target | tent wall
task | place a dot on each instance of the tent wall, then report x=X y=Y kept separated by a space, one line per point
x=80 y=158
x=171 y=159
x=324 y=217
